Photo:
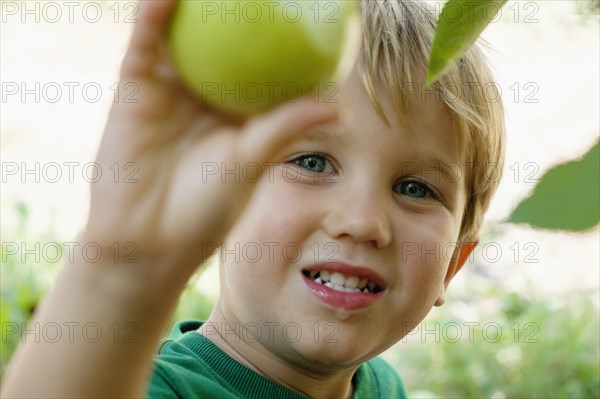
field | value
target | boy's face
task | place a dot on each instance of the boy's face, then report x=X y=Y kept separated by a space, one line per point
x=360 y=199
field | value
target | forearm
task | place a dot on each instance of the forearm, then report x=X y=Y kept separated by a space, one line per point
x=124 y=312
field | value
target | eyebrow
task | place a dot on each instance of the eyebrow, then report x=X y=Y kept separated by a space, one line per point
x=322 y=135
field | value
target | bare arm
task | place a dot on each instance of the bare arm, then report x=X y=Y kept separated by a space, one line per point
x=167 y=214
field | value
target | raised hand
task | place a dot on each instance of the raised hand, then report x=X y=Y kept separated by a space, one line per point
x=173 y=141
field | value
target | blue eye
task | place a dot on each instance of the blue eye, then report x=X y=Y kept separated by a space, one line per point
x=317 y=163
x=414 y=189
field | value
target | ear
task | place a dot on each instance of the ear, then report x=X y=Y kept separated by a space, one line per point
x=459 y=258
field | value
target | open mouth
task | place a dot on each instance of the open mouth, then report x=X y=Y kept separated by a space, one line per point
x=341 y=282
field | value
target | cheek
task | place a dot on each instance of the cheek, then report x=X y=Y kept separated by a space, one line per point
x=265 y=241
x=422 y=283
x=262 y=217
x=423 y=253
x=278 y=214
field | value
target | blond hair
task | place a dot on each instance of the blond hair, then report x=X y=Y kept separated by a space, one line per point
x=397 y=38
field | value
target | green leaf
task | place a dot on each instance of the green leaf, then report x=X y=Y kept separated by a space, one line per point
x=567 y=197
x=459 y=25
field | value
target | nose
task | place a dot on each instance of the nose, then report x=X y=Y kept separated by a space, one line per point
x=360 y=216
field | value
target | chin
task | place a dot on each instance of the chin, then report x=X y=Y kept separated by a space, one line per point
x=332 y=354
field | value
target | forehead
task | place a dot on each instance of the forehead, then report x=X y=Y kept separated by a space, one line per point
x=426 y=128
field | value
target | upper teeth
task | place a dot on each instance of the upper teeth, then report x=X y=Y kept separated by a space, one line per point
x=340 y=282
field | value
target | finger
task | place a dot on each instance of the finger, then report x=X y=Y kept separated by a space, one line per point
x=264 y=137
x=145 y=45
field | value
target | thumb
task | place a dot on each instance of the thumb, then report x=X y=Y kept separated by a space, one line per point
x=264 y=136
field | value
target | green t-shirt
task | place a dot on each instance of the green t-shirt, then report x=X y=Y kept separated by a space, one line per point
x=189 y=365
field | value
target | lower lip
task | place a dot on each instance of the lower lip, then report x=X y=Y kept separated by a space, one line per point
x=339 y=299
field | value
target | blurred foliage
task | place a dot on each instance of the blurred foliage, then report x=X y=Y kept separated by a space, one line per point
x=193 y=305
x=22 y=284
x=459 y=25
x=588 y=6
x=545 y=350
x=567 y=197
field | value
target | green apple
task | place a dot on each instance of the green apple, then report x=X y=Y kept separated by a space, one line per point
x=244 y=56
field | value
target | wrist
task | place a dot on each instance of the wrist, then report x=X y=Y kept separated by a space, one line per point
x=104 y=273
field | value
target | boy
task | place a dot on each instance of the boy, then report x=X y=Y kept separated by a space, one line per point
x=334 y=278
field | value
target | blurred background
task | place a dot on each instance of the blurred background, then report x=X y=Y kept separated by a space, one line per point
x=521 y=319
